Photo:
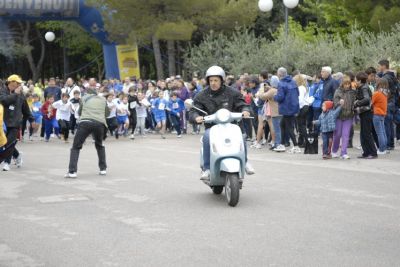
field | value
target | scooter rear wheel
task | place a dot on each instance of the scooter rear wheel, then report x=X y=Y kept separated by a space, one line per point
x=217 y=189
x=232 y=189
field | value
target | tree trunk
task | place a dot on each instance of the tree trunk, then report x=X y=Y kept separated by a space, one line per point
x=35 y=68
x=157 y=57
x=171 y=58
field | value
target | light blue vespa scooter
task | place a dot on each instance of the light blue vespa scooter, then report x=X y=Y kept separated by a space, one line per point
x=227 y=162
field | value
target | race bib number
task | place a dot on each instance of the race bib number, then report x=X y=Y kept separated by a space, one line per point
x=11 y=107
x=175 y=105
x=133 y=105
x=161 y=106
x=35 y=109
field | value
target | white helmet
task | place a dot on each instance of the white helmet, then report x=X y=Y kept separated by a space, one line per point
x=215 y=71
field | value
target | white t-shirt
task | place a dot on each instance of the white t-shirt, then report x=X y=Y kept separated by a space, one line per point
x=113 y=109
x=141 y=110
x=63 y=110
x=122 y=109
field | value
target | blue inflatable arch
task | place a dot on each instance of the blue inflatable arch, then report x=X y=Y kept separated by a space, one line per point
x=88 y=17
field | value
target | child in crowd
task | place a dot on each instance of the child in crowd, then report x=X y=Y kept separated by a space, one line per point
x=158 y=107
x=26 y=122
x=49 y=116
x=327 y=122
x=176 y=106
x=63 y=115
x=247 y=125
x=75 y=108
x=123 y=116
x=379 y=104
x=111 y=120
x=133 y=102
x=36 y=113
x=141 y=112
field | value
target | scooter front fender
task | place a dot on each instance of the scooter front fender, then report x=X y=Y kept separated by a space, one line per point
x=230 y=165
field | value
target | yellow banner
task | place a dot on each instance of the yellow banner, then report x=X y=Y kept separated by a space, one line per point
x=128 y=61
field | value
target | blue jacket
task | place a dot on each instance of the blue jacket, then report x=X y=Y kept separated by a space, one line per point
x=176 y=107
x=316 y=92
x=288 y=97
x=327 y=120
x=330 y=86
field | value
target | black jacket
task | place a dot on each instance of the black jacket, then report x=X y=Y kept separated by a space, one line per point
x=393 y=90
x=363 y=98
x=15 y=108
x=211 y=101
x=132 y=107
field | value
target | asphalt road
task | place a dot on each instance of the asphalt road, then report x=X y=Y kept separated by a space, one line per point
x=152 y=210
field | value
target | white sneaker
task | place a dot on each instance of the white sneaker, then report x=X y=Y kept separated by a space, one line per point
x=280 y=148
x=258 y=146
x=30 y=138
x=19 y=161
x=132 y=136
x=179 y=136
x=263 y=142
x=6 y=167
x=335 y=155
x=295 y=150
x=103 y=172
x=249 y=169
x=205 y=175
x=71 y=175
x=345 y=157
x=381 y=152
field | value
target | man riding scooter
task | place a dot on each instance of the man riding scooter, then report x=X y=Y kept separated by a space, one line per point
x=214 y=97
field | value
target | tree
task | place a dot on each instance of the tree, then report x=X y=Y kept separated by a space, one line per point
x=172 y=20
x=77 y=42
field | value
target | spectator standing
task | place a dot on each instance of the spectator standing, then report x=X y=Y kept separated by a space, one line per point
x=52 y=89
x=363 y=108
x=93 y=114
x=288 y=100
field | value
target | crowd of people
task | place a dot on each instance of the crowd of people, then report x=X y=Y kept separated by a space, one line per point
x=286 y=109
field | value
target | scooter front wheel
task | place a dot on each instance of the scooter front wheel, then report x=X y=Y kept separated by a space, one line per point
x=217 y=189
x=232 y=188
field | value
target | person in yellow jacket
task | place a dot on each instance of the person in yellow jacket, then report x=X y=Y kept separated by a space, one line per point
x=3 y=138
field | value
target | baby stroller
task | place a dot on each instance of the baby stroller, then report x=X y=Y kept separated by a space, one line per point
x=311 y=142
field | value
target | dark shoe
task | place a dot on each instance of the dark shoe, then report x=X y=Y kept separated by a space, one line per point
x=390 y=148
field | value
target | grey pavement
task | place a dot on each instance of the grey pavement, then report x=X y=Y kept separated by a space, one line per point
x=152 y=210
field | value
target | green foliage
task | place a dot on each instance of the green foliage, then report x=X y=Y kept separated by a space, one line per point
x=76 y=39
x=243 y=52
x=338 y=16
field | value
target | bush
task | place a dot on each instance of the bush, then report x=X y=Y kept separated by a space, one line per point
x=243 y=52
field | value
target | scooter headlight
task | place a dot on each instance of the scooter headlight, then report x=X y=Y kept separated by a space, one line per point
x=223 y=115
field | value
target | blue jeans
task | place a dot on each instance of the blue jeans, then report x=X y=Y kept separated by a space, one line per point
x=379 y=125
x=389 y=129
x=327 y=140
x=276 y=123
x=207 y=151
